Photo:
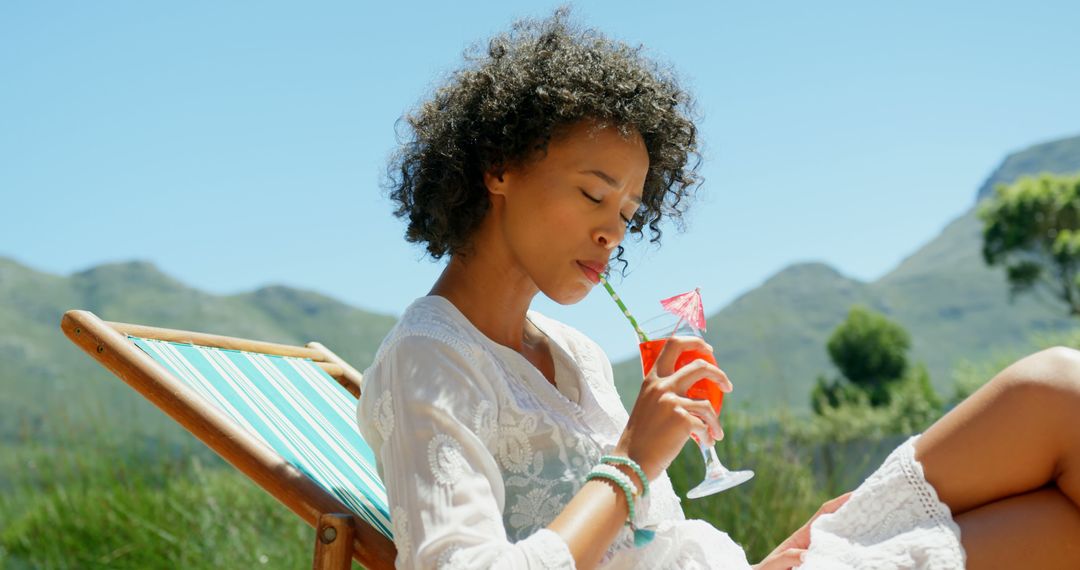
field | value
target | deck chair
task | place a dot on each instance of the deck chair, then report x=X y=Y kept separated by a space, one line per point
x=283 y=415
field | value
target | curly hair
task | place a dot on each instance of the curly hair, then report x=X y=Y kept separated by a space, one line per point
x=505 y=105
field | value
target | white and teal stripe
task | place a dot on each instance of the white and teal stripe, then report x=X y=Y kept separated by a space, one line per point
x=292 y=406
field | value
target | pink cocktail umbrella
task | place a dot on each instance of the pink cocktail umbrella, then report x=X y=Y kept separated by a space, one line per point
x=688 y=307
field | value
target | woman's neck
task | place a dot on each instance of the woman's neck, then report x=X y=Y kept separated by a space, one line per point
x=494 y=299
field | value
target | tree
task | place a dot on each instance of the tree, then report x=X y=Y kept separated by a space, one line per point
x=1032 y=229
x=870 y=351
x=835 y=393
x=877 y=394
x=914 y=403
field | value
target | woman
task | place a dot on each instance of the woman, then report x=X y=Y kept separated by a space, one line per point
x=491 y=422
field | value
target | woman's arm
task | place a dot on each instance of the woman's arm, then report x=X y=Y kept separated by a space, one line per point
x=591 y=520
x=660 y=423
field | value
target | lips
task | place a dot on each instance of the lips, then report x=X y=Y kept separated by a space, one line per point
x=592 y=270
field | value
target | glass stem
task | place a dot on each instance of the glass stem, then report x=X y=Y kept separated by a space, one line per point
x=713 y=468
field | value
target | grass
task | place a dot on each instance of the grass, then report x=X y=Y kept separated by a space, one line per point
x=194 y=518
x=99 y=500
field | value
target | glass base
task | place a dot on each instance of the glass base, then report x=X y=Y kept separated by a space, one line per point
x=719 y=482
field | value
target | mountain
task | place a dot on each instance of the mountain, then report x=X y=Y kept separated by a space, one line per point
x=771 y=340
x=46 y=383
x=1060 y=156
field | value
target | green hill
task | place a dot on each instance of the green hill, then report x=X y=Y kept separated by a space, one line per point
x=767 y=339
x=47 y=383
x=771 y=341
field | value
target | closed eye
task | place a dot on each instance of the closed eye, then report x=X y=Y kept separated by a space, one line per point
x=595 y=201
x=591 y=199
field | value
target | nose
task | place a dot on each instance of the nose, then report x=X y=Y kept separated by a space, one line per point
x=609 y=236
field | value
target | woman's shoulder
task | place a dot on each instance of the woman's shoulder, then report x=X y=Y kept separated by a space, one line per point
x=429 y=345
x=428 y=320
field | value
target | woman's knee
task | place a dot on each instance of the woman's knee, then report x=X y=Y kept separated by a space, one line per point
x=1053 y=372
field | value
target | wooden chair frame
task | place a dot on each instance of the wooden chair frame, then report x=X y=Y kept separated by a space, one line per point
x=340 y=535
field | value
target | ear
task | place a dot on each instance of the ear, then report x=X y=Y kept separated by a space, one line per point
x=495 y=180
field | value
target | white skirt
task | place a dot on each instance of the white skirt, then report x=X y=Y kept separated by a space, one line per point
x=893 y=521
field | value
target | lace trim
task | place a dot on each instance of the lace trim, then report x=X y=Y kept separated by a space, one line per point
x=934 y=508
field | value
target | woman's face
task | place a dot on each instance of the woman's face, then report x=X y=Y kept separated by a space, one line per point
x=568 y=209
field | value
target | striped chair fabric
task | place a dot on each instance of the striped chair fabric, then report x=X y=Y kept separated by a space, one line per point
x=292 y=406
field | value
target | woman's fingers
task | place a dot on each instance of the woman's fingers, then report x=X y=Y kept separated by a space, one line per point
x=700 y=369
x=792 y=557
x=802 y=536
x=693 y=420
x=832 y=505
x=663 y=416
x=673 y=348
x=703 y=411
x=782 y=559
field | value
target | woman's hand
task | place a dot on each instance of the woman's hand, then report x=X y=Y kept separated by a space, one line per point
x=790 y=552
x=663 y=417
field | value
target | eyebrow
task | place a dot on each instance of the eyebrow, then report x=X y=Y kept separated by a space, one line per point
x=610 y=182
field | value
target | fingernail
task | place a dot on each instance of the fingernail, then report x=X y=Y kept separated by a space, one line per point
x=802 y=556
x=710 y=347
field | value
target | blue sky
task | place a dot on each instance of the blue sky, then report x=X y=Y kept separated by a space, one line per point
x=239 y=144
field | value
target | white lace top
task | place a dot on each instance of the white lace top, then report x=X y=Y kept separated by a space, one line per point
x=479 y=453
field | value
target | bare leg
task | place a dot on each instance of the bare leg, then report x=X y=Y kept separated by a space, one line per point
x=1023 y=531
x=1018 y=434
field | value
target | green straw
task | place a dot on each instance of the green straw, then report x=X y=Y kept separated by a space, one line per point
x=625 y=311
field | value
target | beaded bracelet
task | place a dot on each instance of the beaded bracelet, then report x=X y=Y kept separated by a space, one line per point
x=604 y=471
x=617 y=460
x=613 y=474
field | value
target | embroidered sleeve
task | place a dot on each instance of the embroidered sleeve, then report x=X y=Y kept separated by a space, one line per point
x=429 y=412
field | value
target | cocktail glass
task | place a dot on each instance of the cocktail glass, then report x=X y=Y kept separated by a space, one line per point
x=717 y=477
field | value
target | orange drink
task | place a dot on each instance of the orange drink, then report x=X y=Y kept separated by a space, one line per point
x=703 y=389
